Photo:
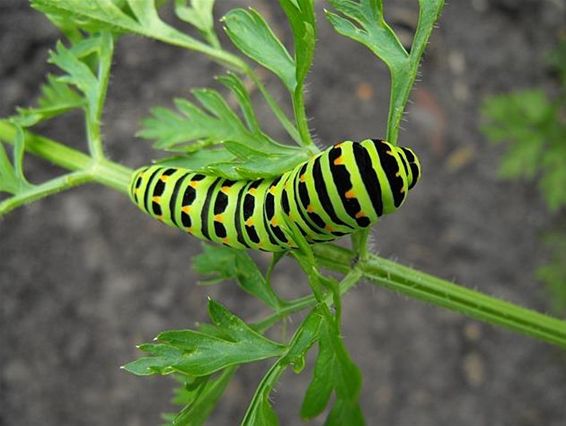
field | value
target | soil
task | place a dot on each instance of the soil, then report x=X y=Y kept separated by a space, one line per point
x=84 y=277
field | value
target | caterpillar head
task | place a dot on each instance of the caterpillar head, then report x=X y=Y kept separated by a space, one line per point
x=411 y=164
x=414 y=172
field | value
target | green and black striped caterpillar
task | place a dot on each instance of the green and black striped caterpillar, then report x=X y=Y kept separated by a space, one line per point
x=342 y=189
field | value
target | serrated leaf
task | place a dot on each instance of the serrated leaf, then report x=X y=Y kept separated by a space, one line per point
x=202 y=400
x=108 y=15
x=215 y=123
x=345 y=412
x=161 y=360
x=530 y=123
x=260 y=411
x=198 y=14
x=56 y=98
x=305 y=336
x=78 y=73
x=334 y=371
x=198 y=353
x=252 y=36
x=236 y=85
x=268 y=166
x=301 y=17
x=12 y=179
x=363 y=21
x=223 y=263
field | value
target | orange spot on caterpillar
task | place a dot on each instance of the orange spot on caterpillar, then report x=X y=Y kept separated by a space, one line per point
x=219 y=218
x=272 y=190
x=156 y=199
x=274 y=222
x=360 y=214
x=186 y=209
x=328 y=228
x=302 y=178
x=164 y=178
x=193 y=184
x=226 y=240
x=310 y=208
x=225 y=189
x=250 y=222
x=350 y=194
x=252 y=191
x=339 y=161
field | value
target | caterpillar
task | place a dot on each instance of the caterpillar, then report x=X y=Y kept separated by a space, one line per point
x=344 y=188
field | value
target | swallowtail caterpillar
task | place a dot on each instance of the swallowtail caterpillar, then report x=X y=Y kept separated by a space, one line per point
x=342 y=189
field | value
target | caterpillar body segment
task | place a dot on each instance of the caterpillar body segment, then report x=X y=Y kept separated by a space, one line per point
x=342 y=189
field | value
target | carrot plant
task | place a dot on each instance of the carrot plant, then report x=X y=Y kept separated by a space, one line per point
x=209 y=136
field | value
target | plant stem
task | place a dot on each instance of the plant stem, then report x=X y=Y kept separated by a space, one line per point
x=428 y=288
x=95 y=109
x=53 y=186
x=275 y=108
x=103 y=171
x=392 y=275
x=301 y=117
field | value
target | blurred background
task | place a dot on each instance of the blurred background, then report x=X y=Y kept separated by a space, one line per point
x=84 y=277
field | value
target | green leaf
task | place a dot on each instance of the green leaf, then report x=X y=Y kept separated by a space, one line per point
x=202 y=353
x=333 y=371
x=236 y=85
x=530 y=123
x=271 y=165
x=345 y=412
x=201 y=399
x=305 y=336
x=252 y=35
x=56 y=98
x=363 y=21
x=301 y=16
x=78 y=73
x=223 y=263
x=260 y=412
x=199 y=13
x=215 y=122
x=139 y=17
x=12 y=179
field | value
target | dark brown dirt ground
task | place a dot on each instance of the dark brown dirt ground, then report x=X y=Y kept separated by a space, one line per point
x=84 y=277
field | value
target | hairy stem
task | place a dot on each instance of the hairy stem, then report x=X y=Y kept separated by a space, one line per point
x=428 y=288
x=386 y=273
x=53 y=186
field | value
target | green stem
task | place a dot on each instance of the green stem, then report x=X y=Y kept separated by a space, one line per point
x=389 y=274
x=301 y=117
x=428 y=288
x=103 y=171
x=275 y=108
x=262 y=392
x=302 y=303
x=53 y=186
x=95 y=109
